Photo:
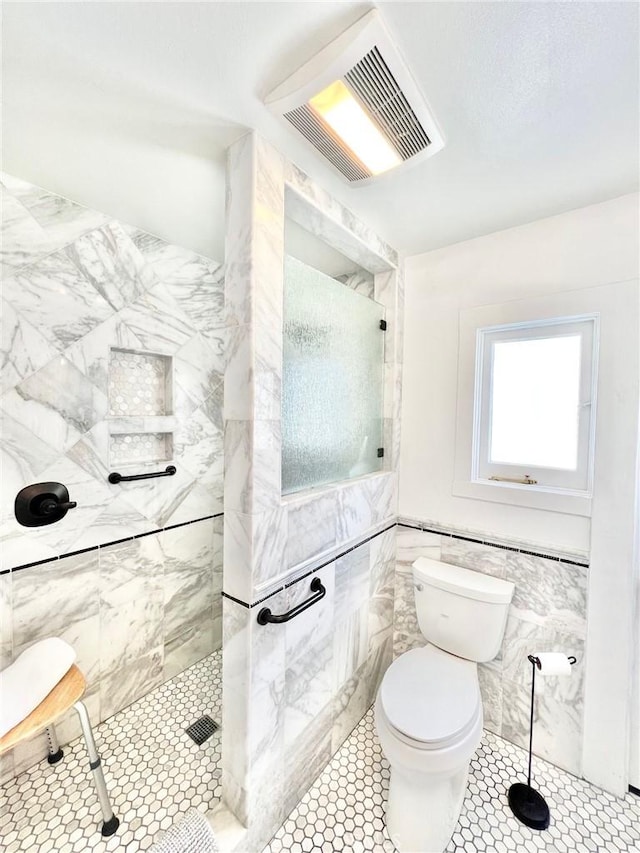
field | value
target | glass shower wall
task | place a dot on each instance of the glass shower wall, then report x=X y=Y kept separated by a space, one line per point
x=332 y=406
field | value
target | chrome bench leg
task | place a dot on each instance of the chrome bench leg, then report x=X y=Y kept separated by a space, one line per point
x=53 y=747
x=111 y=822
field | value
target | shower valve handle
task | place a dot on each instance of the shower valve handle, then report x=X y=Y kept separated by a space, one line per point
x=51 y=505
x=42 y=503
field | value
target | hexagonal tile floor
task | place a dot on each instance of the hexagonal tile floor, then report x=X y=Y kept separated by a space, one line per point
x=344 y=810
x=154 y=771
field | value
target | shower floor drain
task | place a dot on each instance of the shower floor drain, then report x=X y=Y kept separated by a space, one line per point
x=202 y=729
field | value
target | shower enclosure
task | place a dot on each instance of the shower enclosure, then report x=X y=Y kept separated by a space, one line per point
x=112 y=383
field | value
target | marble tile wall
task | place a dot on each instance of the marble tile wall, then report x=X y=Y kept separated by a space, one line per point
x=138 y=610
x=548 y=613
x=260 y=186
x=75 y=284
x=311 y=681
x=137 y=613
x=293 y=692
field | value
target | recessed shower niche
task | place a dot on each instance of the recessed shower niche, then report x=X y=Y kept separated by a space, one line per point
x=141 y=422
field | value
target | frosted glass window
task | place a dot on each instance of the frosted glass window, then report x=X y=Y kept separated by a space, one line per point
x=332 y=380
x=534 y=403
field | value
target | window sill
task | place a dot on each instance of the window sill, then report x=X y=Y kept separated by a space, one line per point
x=525 y=496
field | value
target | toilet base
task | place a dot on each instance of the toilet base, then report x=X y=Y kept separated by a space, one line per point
x=423 y=810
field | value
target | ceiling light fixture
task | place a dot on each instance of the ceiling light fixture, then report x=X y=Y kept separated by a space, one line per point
x=348 y=120
x=356 y=102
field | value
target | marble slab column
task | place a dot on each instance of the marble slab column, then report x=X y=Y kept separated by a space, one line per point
x=294 y=691
x=254 y=521
x=252 y=386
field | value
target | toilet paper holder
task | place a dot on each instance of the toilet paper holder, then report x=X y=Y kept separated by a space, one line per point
x=527 y=804
x=536 y=660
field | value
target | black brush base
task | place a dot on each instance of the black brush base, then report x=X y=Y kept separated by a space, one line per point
x=529 y=806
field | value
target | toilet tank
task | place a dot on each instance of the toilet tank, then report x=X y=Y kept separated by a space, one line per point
x=461 y=611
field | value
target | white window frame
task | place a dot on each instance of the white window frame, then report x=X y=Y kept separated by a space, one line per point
x=578 y=483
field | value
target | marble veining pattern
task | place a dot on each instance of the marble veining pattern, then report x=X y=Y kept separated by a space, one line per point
x=40 y=290
x=350 y=644
x=199 y=364
x=92 y=358
x=548 y=613
x=312 y=527
x=137 y=613
x=111 y=263
x=57 y=404
x=336 y=224
x=312 y=679
x=352 y=581
x=301 y=687
x=24 y=456
x=192 y=280
x=76 y=285
x=158 y=321
x=23 y=350
x=41 y=222
x=355 y=515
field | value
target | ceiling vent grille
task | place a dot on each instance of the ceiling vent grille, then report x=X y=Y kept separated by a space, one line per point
x=378 y=89
x=365 y=62
x=312 y=128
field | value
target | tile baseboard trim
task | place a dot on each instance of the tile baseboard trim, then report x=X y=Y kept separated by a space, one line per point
x=108 y=544
x=521 y=548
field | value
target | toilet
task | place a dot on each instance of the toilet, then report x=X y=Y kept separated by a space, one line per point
x=428 y=710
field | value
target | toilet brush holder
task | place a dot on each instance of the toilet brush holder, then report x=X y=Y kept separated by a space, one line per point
x=527 y=804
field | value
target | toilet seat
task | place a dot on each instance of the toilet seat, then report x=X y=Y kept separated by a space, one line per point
x=431 y=699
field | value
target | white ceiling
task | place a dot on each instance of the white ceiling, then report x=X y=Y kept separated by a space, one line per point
x=127 y=107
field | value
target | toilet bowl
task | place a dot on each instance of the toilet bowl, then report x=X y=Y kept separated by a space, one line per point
x=428 y=711
x=429 y=719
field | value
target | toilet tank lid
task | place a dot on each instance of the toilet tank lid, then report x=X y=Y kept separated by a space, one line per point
x=463 y=581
